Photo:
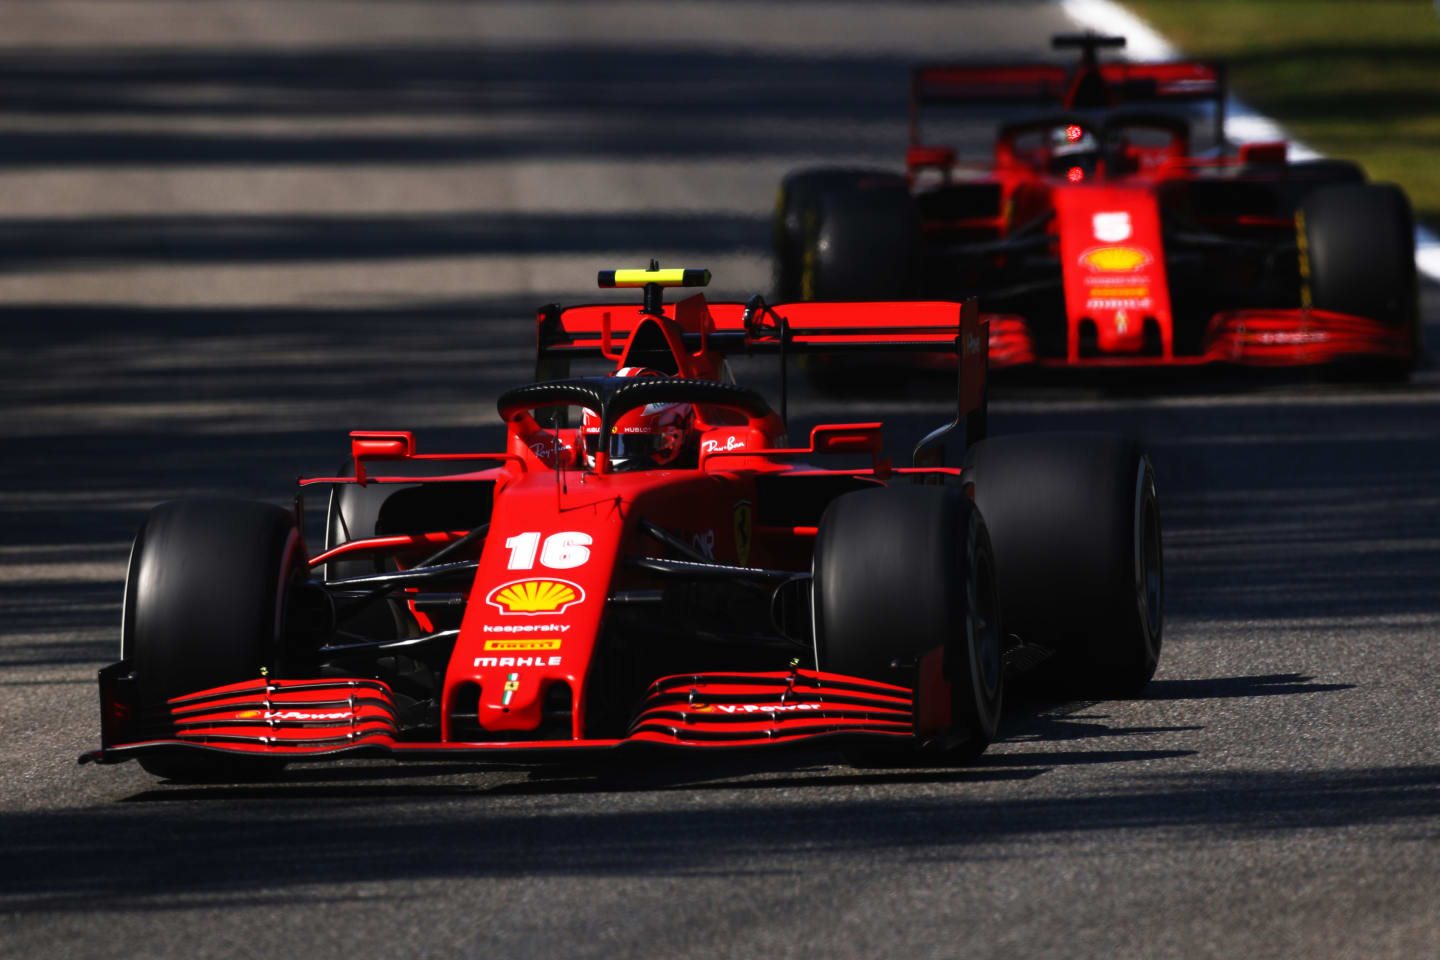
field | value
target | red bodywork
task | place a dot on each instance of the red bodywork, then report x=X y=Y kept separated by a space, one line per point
x=1076 y=263
x=559 y=560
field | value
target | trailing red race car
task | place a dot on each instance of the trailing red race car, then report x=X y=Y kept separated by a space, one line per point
x=1096 y=236
x=664 y=570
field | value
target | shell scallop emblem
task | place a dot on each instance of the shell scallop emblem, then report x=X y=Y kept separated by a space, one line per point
x=1114 y=259
x=531 y=597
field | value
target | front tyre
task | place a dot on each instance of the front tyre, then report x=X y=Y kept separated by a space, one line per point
x=205 y=601
x=798 y=207
x=843 y=234
x=1357 y=246
x=900 y=571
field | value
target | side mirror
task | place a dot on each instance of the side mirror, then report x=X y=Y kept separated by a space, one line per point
x=1270 y=151
x=381 y=445
x=918 y=157
x=847 y=438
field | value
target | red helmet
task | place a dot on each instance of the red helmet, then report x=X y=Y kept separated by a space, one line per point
x=655 y=435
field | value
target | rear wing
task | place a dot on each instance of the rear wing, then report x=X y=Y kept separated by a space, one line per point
x=604 y=330
x=963 y=83
x=703 y=329
x=1051 y=86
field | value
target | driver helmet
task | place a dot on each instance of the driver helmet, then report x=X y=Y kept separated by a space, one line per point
x=655 y=435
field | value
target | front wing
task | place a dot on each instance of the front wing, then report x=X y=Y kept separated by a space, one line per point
x=1253 y=338
x=322 y=719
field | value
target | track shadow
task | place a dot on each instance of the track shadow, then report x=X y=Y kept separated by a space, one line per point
x=531 y=80
x=83 y=860
x=537 y=101
x=34 y=244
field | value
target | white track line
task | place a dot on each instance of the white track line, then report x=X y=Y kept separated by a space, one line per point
x=1242 y=123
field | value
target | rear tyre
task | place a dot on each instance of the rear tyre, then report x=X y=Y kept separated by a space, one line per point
x=900 y=571
x=1075 y=523
x=205 y=601
x=1358 y=257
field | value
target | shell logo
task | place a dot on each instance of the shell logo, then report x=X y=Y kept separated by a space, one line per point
x=531 y=597
x=1114 y=259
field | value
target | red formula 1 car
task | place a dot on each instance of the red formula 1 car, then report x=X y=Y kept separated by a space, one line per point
x=646 y=562
x=1095 y=236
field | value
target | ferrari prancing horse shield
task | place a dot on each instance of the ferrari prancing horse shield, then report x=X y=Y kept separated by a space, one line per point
x=744 y=532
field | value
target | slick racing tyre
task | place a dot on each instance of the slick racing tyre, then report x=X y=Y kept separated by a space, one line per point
x=900 y=571
x=205 y=600
x=1075 y=523
x=1357 y=256
x=843 y=234
x=797 y=207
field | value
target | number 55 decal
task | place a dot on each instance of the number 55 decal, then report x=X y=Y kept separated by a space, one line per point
x=562 y=551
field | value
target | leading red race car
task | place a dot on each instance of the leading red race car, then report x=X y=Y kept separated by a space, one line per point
x=668 y=571
x=1096 y=236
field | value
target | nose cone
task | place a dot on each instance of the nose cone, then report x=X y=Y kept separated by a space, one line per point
x=511 y=699
x=1113 y=261
x=1122 y=331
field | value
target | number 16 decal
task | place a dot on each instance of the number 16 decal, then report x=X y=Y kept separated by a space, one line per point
x=562 y=551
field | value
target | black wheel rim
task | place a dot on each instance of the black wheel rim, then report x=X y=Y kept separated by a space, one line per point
x=987 y=630
x=1154 y=579
x=1150 y=569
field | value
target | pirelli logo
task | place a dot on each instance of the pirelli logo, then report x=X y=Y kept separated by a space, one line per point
x=539 y=643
